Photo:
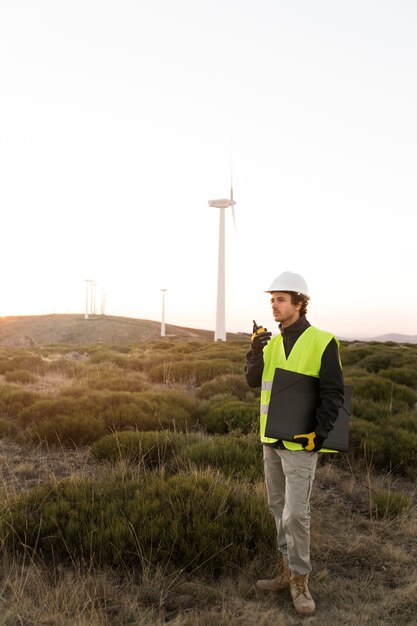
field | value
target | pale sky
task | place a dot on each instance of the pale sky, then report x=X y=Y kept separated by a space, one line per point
x=119 y=121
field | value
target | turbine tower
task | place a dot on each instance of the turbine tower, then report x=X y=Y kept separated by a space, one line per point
x=222 y=204
x=163 y=313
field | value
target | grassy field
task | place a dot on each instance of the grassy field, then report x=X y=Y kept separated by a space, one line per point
x=132 y=490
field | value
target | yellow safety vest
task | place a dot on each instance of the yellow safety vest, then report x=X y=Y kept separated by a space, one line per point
x=304 y=358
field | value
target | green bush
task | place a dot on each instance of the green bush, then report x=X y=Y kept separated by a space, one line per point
x=401 y=451
x=389 y=504
x=150 y=449
x=190 y=372
x=68 y=430
x=402 y=375
x=14 y=401
x=4 y=367
x=385 y=446
x=351 y=355
x=145 y=362
x=180 y=348
x=230 y=415
x=168 y=409
x=77 y=401
x=369 y=410
x=28 y=361
x=367 y=440
x=233 y=384
x=401 y=394
x=20 y=376
x=382 y=360
x=152 y=410
x=183 y=522
x=109 y=356
x=62 y=367
x=234 y=455
x=383 y=391
x=7 y=428
x=406 y=421
x=123 y=381
x=232 y=351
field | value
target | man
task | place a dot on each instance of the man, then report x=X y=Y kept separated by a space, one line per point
x=290 y=465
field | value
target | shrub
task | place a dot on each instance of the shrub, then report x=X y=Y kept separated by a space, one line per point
x=369 y=410
x=145 y=362
x=121 y=410
x=406 y=421
x=385 y=446
x=19 y=376
x=235 y=456
x=68 y=430
x=229 y=415
x=179 y=348
x=367 y=439
x=189 y=372
x=27 y=361
x=124 y=381
x=151 y=449
x=61 y=367
x=382 y=360
x=232 y=351
x=7 y=428
x=383 y=391
x=122 y=349
x=14 y=401
x=402 y=375
x=31 y=363
x=401 y=451
x=185 y=522
x=389 y=504
x=233 y=384
x=109 y=356
x=49 y=407
x=352 y=356
x=401 y=394
x=152 y=410
x=372 y=388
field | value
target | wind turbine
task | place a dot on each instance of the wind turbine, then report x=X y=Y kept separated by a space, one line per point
x=222 y=204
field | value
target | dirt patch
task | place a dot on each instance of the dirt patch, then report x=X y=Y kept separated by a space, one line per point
x=25 y=467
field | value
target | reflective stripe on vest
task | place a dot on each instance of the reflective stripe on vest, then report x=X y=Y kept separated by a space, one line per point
x=304 y=358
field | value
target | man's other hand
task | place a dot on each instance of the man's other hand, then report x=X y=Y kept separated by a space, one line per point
x=310 y=441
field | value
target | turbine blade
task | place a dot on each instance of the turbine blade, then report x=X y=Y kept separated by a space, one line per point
x=234 y=219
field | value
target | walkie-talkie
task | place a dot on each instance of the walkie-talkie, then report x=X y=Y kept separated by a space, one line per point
x=257 y=330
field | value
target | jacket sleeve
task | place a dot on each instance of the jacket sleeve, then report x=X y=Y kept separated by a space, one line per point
x=331 y=390
x=254 y=368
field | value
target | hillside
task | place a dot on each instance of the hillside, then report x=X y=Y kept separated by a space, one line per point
x=396 y=338
x=38 y=330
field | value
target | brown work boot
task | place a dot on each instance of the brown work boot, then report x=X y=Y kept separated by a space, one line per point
x=282 y=581
x=301 y=597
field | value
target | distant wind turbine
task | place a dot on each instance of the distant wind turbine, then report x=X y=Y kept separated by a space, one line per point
x=222 y=204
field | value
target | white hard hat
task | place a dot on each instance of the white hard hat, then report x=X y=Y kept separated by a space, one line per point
x=288 y=281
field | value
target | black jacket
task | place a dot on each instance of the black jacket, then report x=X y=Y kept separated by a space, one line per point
x=330 y=375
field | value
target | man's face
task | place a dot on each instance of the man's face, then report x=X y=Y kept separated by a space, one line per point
x=282 y=308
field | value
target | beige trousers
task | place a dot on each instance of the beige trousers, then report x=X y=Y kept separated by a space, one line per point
x=289 y=476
